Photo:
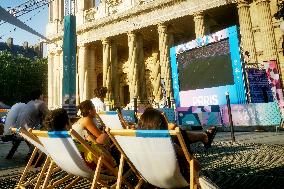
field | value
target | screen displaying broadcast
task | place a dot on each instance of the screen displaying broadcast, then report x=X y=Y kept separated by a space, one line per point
x=205 y=69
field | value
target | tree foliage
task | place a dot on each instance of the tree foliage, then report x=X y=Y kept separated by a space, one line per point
x=19 y=75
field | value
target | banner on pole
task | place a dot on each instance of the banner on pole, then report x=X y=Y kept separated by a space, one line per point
x=69 y=65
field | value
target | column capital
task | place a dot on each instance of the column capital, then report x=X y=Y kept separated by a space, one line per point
x=131 y=33
x=162 y=27
x=243 y=3
x=82 y=45
x=198 y=15
x=259 y=1
x=58 y=51
x=106 y=41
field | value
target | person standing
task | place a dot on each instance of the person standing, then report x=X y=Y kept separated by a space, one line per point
x=98 y=100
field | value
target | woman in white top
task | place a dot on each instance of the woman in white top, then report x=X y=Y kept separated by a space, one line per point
x=87 y=129
x=100 y=94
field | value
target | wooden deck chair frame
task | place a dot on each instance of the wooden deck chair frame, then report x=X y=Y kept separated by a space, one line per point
x=193 y=181
x=99 y=159
x=37 y=180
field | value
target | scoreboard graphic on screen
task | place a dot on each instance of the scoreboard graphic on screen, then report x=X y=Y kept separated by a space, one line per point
x=203 y=70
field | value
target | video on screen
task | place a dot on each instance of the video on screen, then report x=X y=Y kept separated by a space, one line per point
x=205 y=67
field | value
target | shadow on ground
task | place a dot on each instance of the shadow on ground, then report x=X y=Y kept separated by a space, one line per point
x=240 y=165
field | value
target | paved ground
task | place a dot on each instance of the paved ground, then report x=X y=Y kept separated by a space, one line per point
x=255 y=160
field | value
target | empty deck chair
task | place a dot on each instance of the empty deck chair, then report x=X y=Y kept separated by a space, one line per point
x=151 y=154
x=112 y=120
x=64 y=152
x=39 y=148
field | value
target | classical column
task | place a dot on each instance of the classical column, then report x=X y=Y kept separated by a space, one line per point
x=82 y=6
x=57 y=78
x=61 y=9
x=50 y=80
x=247 y=39
x=142 y=92
x=55 y=10
x=107 y=68
x=165 y=41
x=60 y=77
x=114 y=75
x=133 y=65
x=50 y=12
x=199 y=25
x=92 y=79
x=156 y=72
x=266 y=29
x=82 y=72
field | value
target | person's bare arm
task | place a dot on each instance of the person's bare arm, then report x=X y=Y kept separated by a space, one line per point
x=91 y=127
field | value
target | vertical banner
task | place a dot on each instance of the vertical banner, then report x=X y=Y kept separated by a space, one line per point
x=260 y=88
x=69 y=65
x=273 y=76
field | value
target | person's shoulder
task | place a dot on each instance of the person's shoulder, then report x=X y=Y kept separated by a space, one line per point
x=85 y=120
x=95 y=100
x=17 y=106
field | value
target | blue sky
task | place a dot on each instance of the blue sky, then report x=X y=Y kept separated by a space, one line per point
x=38 y=22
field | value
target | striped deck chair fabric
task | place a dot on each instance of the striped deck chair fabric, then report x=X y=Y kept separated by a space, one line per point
x=152 y=154
x=38 y=148
x=65 y=154
x=111 y=119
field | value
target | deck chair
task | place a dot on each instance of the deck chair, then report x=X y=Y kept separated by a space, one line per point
x=112 y=119
x=27 y=135
x=64 y=152
x=151 y=154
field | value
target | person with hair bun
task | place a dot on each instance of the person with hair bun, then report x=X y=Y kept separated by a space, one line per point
x=98 y=100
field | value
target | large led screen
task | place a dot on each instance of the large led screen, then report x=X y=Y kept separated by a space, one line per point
x=205 y=69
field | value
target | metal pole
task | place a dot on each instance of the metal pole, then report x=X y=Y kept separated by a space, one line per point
x=135 y=109
x=245 y=74
x=169 y=102
x=230 y=117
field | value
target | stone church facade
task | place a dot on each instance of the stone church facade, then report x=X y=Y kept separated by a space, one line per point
x=124 y=44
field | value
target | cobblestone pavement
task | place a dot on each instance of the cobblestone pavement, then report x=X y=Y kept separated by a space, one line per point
x=255 y=160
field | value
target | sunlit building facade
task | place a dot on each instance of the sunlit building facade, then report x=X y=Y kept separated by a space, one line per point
x=124 y=44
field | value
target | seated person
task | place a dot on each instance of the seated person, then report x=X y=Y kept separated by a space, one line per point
x=153 y=119
x=86 y=126
x=58 y=120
